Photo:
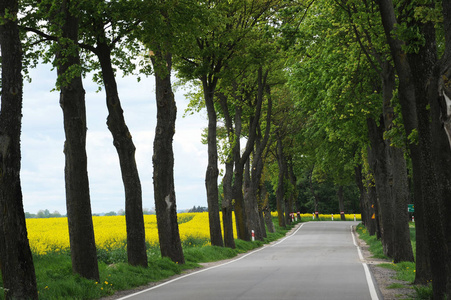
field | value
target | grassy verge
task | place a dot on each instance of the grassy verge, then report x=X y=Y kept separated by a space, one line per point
x=405 y=271
x=55 y=279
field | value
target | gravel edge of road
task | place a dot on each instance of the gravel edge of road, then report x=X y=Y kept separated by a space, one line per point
x=383 y=277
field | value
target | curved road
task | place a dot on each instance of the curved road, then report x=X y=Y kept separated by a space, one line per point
x=318 y=261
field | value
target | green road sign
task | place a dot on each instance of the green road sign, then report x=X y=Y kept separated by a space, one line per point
x=410 y=208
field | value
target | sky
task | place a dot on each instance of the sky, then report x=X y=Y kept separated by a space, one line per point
x=42 y=140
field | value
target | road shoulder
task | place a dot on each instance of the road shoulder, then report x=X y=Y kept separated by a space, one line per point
x=383 y=277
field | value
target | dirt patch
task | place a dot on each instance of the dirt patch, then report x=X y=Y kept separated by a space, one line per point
x=389 y=287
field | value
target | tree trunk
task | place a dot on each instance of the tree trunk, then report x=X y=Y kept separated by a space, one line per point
x=402 y=244
x=372 y=195
x=421 y=66
x=293 y=194
x=314 y=194
x=364 y=209
x=381 y=171
x=211 y=176
x=240 y=209
x=280 y=192
x=227 y=181
x=16 y=261
x=398 y=174
x=341 y=202
x=241 y=214
x=441 y=116
x=406 y=94
x=72 y=102
x=227 y=208
x=122 y=140
x=163 y=161
x=265 y=208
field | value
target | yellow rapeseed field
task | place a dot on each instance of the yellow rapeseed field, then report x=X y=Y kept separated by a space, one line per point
x=52 y=234
x=326 y=217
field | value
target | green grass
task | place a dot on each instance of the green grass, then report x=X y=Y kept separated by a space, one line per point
x=405 y=271
x=371 y=240
x=55 y=279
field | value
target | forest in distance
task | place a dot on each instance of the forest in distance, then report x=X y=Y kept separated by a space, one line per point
x=322 y=106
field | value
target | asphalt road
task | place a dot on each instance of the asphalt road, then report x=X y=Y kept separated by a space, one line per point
x=319 y=261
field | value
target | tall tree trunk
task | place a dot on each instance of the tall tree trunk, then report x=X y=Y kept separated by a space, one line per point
x=398 y=173
x=241 y=215
x=16 y=261
x=280 y=192
x=406 y=94
x=72 y=102
x=314 y=194
x=211 y=176
x=364 y=208
x=227 y=208
x=227 y=181
x=381 y=171
x=256 y=172
x=441 y=116
x=421 y=66
x=163 y=161
x=240 y=208
x=122 y=140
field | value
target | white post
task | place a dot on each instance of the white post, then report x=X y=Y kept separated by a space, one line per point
x=354 y=218
x=253 y=235
x=332 y=216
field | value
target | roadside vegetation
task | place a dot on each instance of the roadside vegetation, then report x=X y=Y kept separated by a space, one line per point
x=405 y=271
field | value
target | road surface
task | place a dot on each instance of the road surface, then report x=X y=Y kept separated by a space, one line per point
x=318 y=261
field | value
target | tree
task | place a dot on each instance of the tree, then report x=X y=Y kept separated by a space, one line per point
x=205 y=59
x=16 y=261
x=72 y=102
x=418 y=90
x=94 y=17
x=95 y=25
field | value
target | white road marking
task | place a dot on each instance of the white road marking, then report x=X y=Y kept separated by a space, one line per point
x=369 y=278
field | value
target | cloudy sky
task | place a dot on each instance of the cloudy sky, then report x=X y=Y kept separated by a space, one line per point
x=42 y=172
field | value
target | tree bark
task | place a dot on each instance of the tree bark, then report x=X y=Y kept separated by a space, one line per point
x=240 y=208
x=441 y=119
x=122 y=140
x=16 y=260
x=422 y=64
x=72 y=102
x=227 y=181
x=406 y=94
x=381 y=171
x=314 y=194
x=227 y=208
x=211 y=176
x=341 y=202
x=397 y=173
x=280 y=192
x=372 y=194
x=163 y=161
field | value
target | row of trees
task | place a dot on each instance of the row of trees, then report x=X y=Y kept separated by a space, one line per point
x=299 y=94
x=373 y=81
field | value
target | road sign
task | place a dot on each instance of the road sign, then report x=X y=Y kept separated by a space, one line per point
x=410 y=208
